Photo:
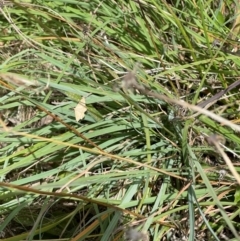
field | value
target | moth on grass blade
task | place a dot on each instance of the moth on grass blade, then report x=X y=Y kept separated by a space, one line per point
x=80 y=109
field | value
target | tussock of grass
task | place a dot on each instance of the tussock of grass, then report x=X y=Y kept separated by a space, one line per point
x=139 y=165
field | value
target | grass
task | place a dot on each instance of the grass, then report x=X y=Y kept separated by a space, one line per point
x=144 y=161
